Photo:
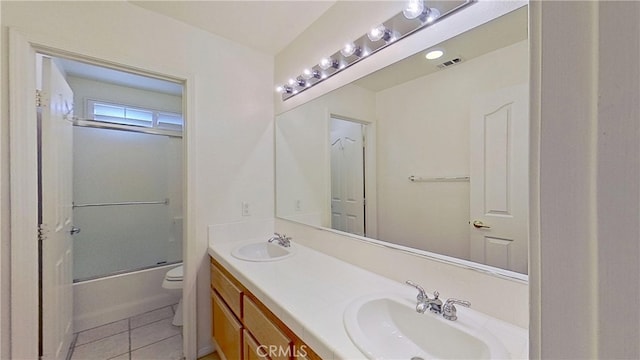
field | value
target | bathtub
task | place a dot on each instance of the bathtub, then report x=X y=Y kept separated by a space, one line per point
x=101 y=301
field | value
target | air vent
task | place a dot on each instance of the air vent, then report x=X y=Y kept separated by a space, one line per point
x=450 y=63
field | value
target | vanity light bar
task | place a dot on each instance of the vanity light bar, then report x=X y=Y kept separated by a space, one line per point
x=379 y=37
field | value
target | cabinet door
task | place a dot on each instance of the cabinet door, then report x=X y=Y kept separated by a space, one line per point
x=266 y=332
x=251 y=349
x=227 y=330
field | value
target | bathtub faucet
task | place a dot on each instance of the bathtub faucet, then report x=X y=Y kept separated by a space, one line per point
x=283 y=240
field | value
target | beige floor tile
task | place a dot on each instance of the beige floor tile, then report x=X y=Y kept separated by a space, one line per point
x=125 y=356
x=101 y=332
x=151 y=316
x=151 y=333
x=105 y=348
x=168 y=349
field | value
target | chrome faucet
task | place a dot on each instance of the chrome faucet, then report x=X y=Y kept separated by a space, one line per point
x=283 y=240
x=424 y=301
x=449 y=310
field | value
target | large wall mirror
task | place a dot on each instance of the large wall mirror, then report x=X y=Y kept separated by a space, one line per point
x=427 y=154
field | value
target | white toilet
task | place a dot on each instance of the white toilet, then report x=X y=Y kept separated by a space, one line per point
x=173 y=282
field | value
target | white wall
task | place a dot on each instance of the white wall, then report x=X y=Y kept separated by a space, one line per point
x=229 y=88
x=423 y=130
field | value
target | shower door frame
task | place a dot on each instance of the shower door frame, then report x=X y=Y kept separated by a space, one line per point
x=24 y=188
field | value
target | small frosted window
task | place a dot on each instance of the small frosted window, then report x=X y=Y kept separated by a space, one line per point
x=139 y=115
x=170 y=121
x=121 y=114
x=104 y=110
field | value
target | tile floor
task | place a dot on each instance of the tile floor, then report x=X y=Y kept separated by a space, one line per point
x=146 y=336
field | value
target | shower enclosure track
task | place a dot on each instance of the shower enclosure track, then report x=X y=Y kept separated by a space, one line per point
x=161 y=202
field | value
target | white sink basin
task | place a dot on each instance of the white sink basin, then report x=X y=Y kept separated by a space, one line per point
x=262 y=251
x=388 y=327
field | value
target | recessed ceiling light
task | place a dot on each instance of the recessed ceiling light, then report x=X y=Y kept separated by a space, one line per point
x=434 y=54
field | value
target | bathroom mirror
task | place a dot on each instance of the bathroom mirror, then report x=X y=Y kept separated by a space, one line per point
x=428 y=154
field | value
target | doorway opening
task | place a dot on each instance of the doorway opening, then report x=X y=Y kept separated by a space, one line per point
x=110 y=155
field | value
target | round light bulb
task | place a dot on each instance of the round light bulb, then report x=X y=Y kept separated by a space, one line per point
x=292 y=82
x=279 y=89
x=413 y=9
x=307 y=74
x=376 y=33
x=325 y=63
x=434 y=54
x=348 y=49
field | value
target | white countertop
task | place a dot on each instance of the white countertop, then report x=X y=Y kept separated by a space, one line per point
x=309 y=292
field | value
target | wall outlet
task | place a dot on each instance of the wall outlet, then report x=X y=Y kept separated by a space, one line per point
x=298 y=205
x=245 y=209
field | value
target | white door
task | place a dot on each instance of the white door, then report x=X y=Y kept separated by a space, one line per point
x=347 y=176
x=56 y=212
x=499 y=169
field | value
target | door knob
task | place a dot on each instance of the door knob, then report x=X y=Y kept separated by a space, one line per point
x=480 y=225
x=74 y=230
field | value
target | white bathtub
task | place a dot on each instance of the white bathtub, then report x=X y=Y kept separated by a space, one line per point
x=104 y=300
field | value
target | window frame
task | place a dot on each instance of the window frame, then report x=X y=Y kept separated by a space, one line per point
x=133 y=123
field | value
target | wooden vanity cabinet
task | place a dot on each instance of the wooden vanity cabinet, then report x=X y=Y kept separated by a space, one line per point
x=275 y=342
x=244 y=328
x=250 y=349
x=227 y=330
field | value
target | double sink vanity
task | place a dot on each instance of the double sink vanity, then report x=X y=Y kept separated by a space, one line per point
x=276 y=301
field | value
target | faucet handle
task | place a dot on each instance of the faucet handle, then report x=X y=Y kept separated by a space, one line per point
x=449 y=310
x=422 y=295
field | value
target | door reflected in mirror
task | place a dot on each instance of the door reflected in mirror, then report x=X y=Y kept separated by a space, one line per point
x=428 y=154
x=347 y=148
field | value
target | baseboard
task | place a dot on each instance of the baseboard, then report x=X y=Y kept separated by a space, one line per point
x=206 y=350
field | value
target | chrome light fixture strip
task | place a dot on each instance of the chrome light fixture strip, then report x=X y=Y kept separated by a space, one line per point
x=398 y=27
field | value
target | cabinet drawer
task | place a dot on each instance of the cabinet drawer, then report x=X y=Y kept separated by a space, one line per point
x=231 y=294
x=227 y=330
x=265 y=331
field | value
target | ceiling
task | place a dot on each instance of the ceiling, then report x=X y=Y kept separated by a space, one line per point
x=264 y=25
x=112 y=76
